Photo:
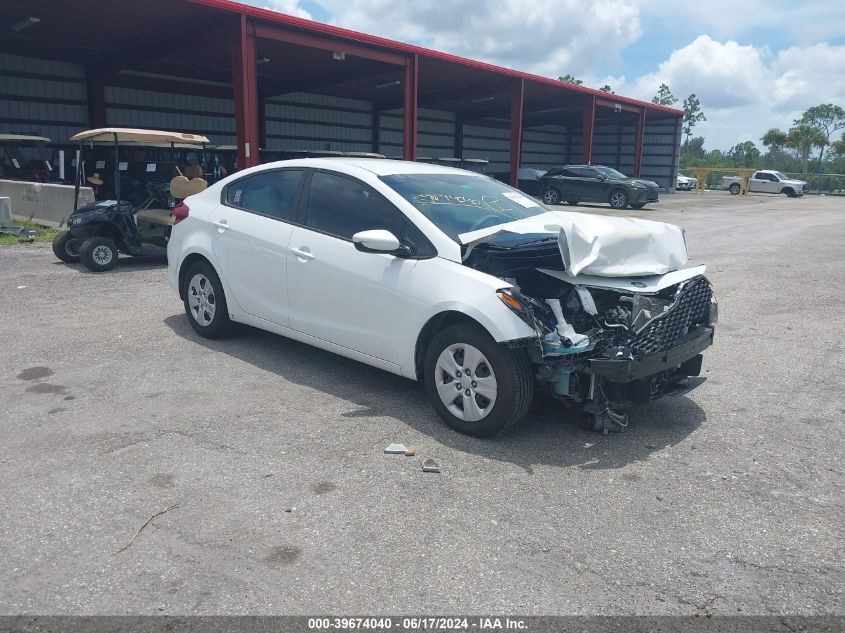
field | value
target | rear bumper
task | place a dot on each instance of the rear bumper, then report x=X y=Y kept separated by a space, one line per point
x=630 y=369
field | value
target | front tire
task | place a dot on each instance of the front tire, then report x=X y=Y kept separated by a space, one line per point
x=99 y=254
x=66 y=247
x=618 y=199
x=790 y=193
x=476 y=385
x=734 y=189
x=551 y=196
x=205 y=302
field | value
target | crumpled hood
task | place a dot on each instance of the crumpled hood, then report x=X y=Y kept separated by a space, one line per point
x=605 y=246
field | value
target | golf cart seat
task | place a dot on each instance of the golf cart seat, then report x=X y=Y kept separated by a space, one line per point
x=156 y=216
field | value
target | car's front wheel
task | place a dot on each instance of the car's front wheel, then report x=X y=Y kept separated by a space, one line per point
x=551 y=196
x=205 y=303
x=618 y=199
x=476 y=385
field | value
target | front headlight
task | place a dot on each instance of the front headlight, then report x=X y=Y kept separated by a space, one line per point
x=516 y=304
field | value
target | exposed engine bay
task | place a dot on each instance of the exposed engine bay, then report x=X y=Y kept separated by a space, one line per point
x=603 y=343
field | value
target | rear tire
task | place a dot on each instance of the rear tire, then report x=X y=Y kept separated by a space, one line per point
x=496 y=393
x=734 y=189
x=551 y=196
x=98 y=253
x=618 y=199
x=205 y=302
x=66 y=247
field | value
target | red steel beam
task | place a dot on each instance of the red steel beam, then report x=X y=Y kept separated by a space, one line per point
x=517 y=101
x=245 y=84
x=410 y=85
x=311 y=40
x=638 y=143
x=588 y=123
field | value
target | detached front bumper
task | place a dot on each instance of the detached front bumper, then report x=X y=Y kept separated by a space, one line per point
x=630 y=369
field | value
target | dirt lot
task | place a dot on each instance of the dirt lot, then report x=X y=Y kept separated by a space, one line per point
x=269 y=455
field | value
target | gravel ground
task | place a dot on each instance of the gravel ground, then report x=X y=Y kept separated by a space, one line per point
x=267 y=456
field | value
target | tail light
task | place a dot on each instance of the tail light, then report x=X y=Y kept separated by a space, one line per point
x=180 y=212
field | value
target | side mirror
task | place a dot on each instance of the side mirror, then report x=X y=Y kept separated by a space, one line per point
x=377 y=241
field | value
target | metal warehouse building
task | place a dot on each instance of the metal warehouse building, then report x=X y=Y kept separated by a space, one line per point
x=257 y=78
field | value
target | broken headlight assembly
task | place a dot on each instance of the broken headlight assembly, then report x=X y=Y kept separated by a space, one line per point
x=517 y=304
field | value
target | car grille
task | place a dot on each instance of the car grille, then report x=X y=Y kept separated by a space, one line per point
x=690 y=308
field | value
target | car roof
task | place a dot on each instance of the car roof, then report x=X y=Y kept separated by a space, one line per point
x=377 y=166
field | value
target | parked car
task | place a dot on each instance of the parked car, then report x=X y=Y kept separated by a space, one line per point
x=595 y=183
x=767 y=181
x=450 y=278
x=685 y=183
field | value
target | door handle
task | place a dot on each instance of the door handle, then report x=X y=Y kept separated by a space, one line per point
x=301 y=253
x=221 y=225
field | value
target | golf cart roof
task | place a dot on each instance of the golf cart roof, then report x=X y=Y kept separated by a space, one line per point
x=23 y=138
x=132 y=135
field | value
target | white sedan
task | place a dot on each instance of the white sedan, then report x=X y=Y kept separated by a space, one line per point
x=447 y=277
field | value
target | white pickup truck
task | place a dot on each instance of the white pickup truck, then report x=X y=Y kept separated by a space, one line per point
x=767 y=181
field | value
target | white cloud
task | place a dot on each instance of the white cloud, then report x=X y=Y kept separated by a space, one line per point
x=549 y=37
x=291 y=7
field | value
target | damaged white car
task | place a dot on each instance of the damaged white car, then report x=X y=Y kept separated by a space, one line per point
x=451 y=278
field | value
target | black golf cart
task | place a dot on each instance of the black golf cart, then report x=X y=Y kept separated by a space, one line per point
x=22 y=157
x=98 y=232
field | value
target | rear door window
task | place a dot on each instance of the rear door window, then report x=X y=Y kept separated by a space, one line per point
x=272 y=193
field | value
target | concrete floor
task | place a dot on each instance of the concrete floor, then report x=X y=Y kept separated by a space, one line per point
x=269 y=455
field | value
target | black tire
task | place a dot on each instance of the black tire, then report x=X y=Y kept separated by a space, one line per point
x=618 y=199
x=66 y=247
x=790 y=193
x=208 y=324
x=551 y=196
x=98 y=253
x=734 y=189
x=637 y=205
x=510 y=368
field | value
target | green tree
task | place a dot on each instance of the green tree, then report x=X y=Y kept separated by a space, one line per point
x=692 y=114
x=775 y=139
x=693 y=149
x=828 y=118
x=664 y=96
x=838 y=147
x=606 y=88
x=803 y=137
x=744 y=154
x=570 y=79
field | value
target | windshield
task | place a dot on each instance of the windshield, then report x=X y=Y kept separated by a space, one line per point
x=611 y=173
x=458 y=204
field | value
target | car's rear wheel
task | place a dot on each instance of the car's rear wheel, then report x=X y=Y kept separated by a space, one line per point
x=66 y=247
x=476 y=385
x=551 y=196
x=98 y=253
x=205 y=302
x=734 y=189
x=618 y=199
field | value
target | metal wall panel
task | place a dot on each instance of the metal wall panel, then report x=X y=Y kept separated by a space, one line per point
x=210 y=116
x=318 y=122
x=661 y=143
x=42 y=97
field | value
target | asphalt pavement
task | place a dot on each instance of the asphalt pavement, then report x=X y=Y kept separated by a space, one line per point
x=263 y=458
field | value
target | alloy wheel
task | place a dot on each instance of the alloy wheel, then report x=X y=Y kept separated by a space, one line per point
x=101 y=254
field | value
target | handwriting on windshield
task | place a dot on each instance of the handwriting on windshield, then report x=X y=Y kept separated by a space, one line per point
x=485 y=202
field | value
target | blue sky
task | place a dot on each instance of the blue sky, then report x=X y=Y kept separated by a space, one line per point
x=754 y=64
